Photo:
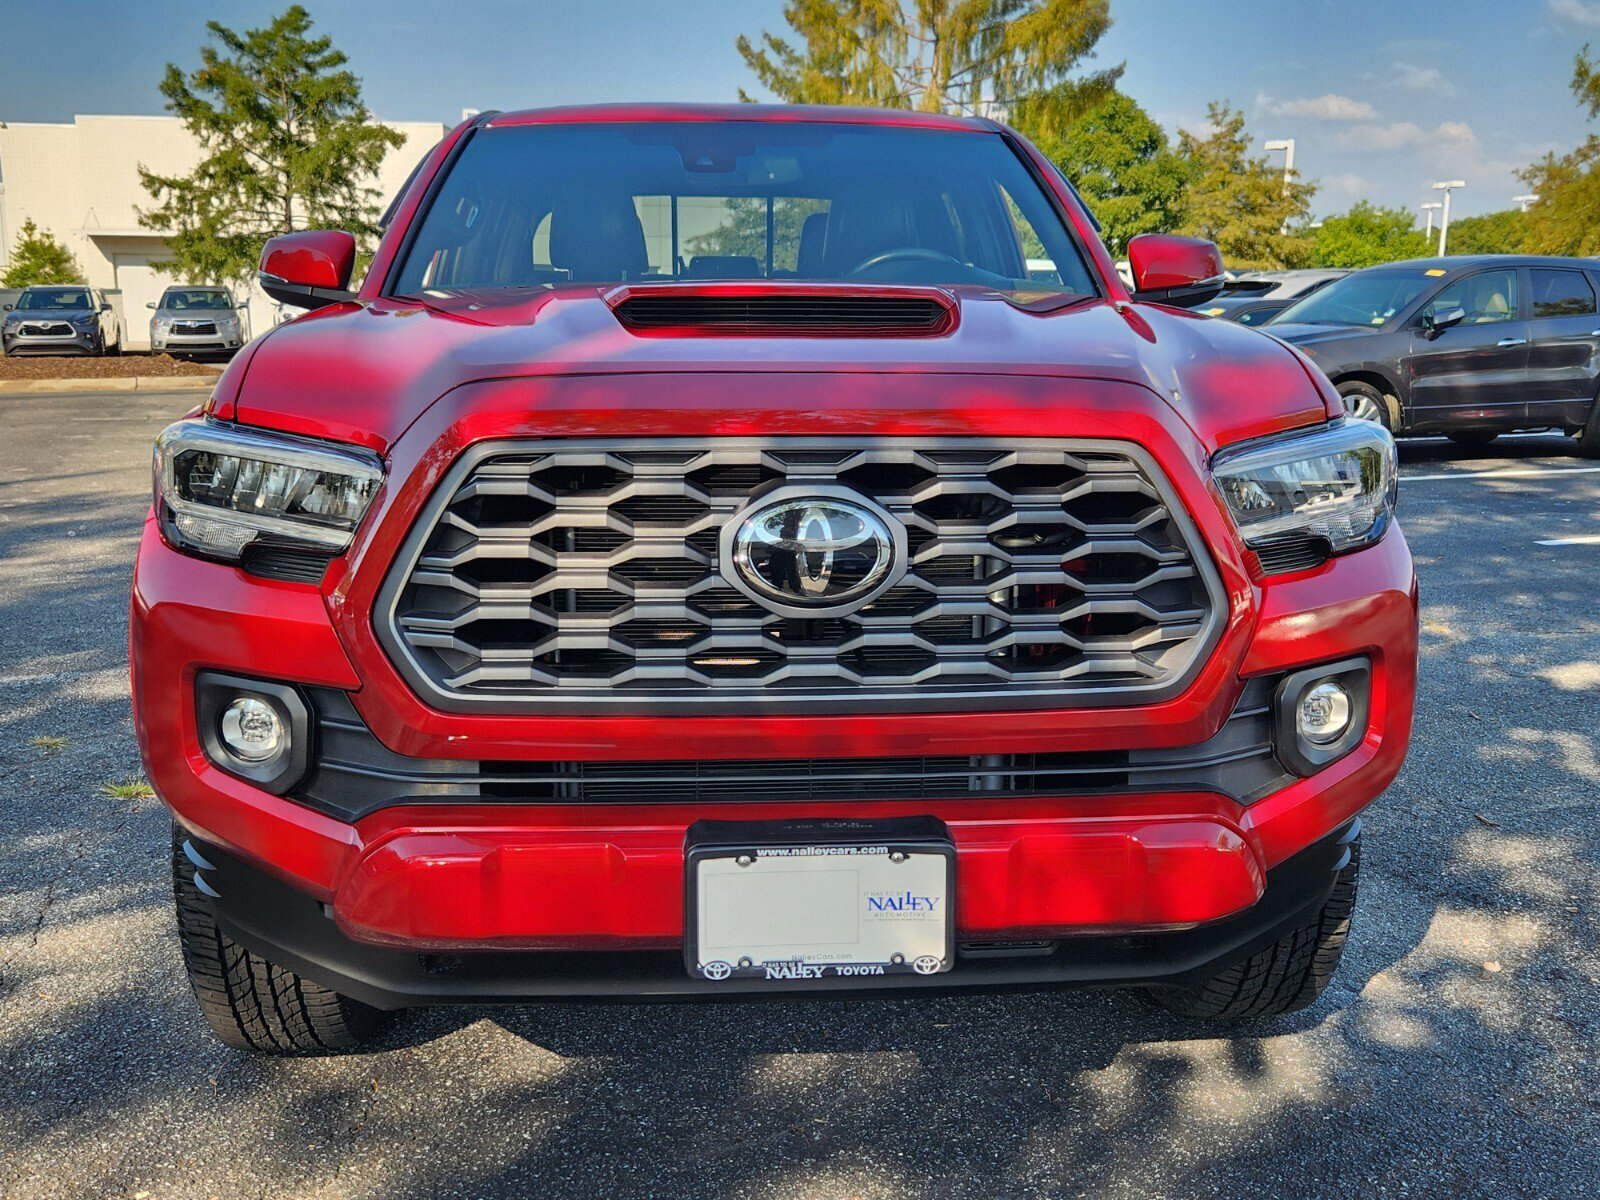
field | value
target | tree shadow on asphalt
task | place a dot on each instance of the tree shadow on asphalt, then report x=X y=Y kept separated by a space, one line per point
x=1421 y=1070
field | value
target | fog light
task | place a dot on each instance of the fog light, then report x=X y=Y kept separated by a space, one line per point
x=252 y=730
x=1324 y=714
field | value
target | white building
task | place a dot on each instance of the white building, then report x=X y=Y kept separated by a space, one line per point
x=80 y=182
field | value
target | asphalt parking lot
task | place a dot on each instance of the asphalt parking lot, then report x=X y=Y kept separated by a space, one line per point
x=1456 y=1055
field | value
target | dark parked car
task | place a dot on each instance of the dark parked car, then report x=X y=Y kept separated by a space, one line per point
x=67 y=319
x=1470 y=347
x=1255 y=297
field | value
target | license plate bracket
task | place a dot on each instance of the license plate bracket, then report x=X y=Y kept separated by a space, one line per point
x=818 y=898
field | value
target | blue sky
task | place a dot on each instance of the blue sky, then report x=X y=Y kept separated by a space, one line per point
x=1381 y=98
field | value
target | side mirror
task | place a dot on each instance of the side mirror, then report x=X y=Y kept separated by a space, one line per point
x=1435 y=323
x=1168 y=269
x=149 y=303
x=105 y=306
x=308 y=270
x=9 y=307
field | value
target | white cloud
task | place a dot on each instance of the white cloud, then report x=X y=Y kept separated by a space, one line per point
x=1454 y=136
x=1422 y=79
x=1346 y=184
x=1458 y=135
x=1332 y=107
x=1380 y=139
x=1576 y=12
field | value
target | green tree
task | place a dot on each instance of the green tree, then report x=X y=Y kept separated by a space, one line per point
x=1240 y=200
x=1368 y=235
x=39 y=258
x=288 y=144
x=1503 y=232
x=1121 y=162
x=978 y=57
x=1566 y=219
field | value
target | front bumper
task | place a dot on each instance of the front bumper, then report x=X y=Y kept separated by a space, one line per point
x=292 y=929
x=19 y=345
x=186 y=343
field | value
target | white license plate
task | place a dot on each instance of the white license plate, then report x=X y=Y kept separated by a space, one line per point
x=796 y=912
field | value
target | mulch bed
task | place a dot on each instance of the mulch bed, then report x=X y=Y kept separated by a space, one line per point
x=123 y=367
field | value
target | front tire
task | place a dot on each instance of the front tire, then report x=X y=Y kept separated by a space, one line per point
x=1589 y=435
x=250 y=1003
x=1290 y=974
x=1367 y=403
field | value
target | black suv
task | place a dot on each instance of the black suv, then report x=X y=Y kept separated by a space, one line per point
x=1470 y=347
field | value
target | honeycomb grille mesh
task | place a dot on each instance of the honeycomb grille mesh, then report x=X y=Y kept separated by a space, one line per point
x=588 y=573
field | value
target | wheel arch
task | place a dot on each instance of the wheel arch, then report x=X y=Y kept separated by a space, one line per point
x=1384 y=382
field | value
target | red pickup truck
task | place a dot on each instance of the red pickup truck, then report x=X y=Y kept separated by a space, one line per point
x=731 y=550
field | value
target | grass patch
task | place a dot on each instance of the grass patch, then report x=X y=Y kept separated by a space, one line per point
x=136 y=787
x=48 y=743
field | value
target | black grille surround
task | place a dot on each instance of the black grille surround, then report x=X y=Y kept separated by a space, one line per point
x=583 y=576
x=354 y=775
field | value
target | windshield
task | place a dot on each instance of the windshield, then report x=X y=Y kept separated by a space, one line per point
x=546 y=205
x=1365 y=298
x=179 y=299
x=54 y=299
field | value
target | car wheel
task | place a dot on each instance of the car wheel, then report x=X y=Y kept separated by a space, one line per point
x=250 y=1003
x=1589 y=435
x=1290 y=974
x=1473 y=437
x=1367 y=403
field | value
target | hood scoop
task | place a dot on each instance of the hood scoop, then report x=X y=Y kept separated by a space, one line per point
x=783 y=310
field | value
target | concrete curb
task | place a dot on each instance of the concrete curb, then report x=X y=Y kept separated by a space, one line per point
x=132 y=383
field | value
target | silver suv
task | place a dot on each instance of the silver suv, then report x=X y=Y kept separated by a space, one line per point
x=197 y=320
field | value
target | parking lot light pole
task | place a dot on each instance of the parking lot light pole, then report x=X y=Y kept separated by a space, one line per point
x=1287 y=146
x=1524 y=201
x=1446 y=187
x=1430 y=209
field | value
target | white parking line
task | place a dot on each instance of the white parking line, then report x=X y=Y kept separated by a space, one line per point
x=1502 y=474
x=1588 y=539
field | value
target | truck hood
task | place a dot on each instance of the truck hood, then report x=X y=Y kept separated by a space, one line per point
x=364 y=372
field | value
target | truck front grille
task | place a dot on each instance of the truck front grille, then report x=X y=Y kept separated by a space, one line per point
x=583 y=575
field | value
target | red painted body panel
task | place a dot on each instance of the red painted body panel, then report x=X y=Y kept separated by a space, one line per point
x=420 y=382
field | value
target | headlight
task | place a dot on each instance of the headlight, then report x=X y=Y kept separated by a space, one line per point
x=1336 y=485
x=83 y=319
x=163 y=324
x=219 y=488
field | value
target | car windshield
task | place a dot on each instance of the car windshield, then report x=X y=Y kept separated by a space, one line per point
x=53 y=299
x=1365 y=298
x=547 y=205
x=179 y=299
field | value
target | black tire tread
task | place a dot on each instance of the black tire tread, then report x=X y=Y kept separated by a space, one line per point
x=1589 y=435
x=1287 y=976
x=253 y=1004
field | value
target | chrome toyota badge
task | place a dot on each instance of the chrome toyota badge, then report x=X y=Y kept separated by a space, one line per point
x=813 y=551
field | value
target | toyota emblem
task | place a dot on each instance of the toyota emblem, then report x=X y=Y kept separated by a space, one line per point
x=814 y=552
